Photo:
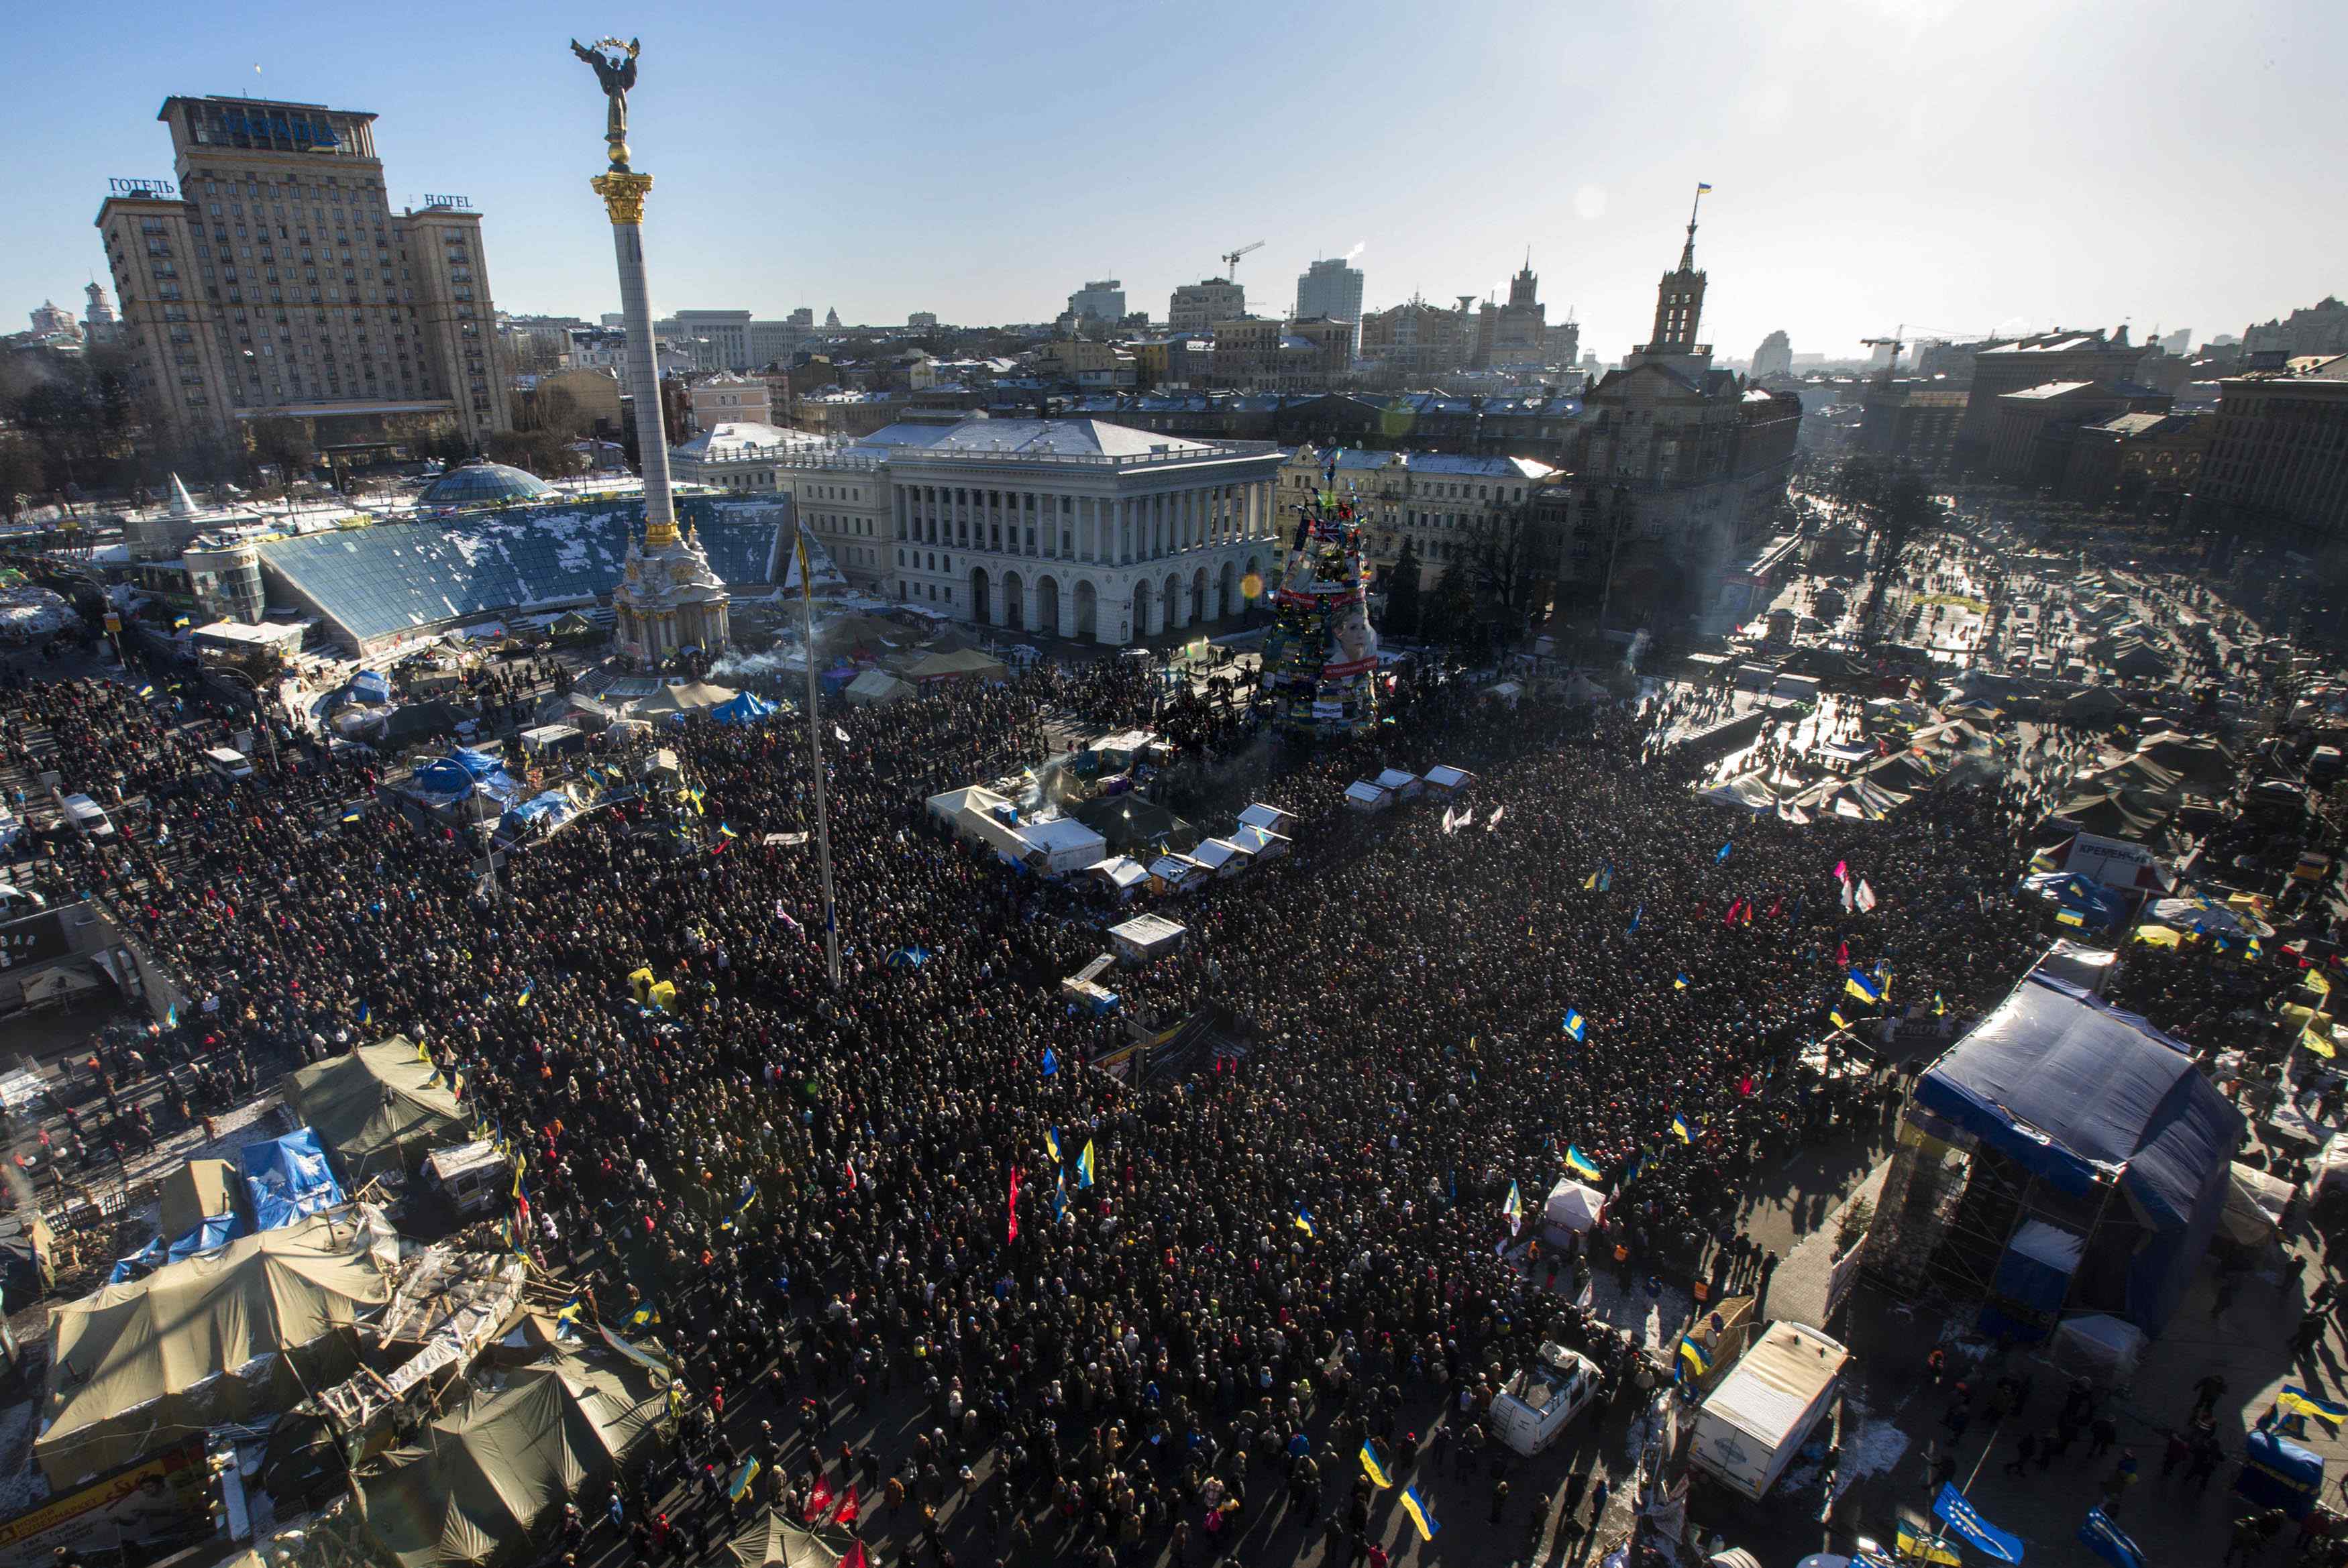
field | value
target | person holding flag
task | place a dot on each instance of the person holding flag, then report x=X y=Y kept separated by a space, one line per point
x=1512 y=1209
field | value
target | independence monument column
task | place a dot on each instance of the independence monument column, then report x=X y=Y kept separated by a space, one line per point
x=669 y=599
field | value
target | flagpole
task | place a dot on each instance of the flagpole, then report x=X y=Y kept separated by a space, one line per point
x=815 y=759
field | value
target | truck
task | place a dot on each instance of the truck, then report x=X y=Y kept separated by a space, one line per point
x=1534 y=1407
x=1764 y=1411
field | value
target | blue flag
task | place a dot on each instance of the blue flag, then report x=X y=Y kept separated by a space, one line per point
x=1967 y=1525
x=2102 y=1537
x=1050 y=1062
x=1636 y=915
x=1724 y=851
x=1576 y=1026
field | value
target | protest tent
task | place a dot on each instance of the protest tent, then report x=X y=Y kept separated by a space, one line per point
x=2070 y=1113
x=968 y=664
x=1178 y=873
x=379 y=1109
x=1443 y=778
x=1067 y=845
x=680 y=700
x=2196 y=758
x=1573 y=1206
x=1271 y=819
x=1364 y=797
x=1145 y=937
x=1747 y=793
x=743 y=708
x=772 y=1540
x=1119 y=875
x=204 y=1343
x=197 y=1191
x=485 y=1484
x=287 y=1179
x=1401 y=785
x=2096 y=905
x=876 y=689
x=2094 y=705
x=1222 y=856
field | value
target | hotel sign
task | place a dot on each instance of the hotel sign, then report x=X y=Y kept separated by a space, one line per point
x=141 y=188
x=432 y=200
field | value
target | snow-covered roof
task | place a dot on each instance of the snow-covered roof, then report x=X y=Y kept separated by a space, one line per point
x=1062 y=438
x=745 y=439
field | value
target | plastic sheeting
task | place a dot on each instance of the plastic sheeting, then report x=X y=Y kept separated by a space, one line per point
x=744 y=708
x=288 y=1179
x=2070 y=1088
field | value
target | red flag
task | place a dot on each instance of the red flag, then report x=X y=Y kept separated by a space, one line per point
x=1745 y=1085
x=1014 y=1203
x=818 y=1501
x=856 y=1557
x=1777 y=904
x=1842 y=954
x=847 y=1514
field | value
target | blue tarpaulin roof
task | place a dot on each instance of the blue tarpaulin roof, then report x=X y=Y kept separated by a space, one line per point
x=480 y=764
x=288 y=1179
x=2099 y=903
x=742 y=708
x=2068 y=1086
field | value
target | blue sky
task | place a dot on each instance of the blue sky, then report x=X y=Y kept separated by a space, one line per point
x=1955 y=165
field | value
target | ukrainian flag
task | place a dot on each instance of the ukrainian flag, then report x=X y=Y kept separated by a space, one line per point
x=180 y=623
x=1917 y=1546
x=1864 y=989
x=1512 y=1207
x=1576 y=1026
x=1679 y=982
x=749 y=1195
x=1693 y=1359
x=1580 y=1164
x=1834 y=1016
x=1052 y=1143
x=726 y=832
x=2073 y=917
x=1303 y=1220
x=742 y=1480
x=1373 y=1465
x=527 y=991
x=365 y=1012
x=568 y=1315
x=1940 y=1008
x=1681 y=1130
x=356 y=813
x=1703 y=186
x=1085 y=1166
x=643 y=1317
x=2300 y=1402
x=1422 y=1514
x=1591 y=883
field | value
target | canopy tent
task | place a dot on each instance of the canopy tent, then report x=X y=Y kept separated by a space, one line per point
x=877 y=689
x=1747 y=793
x=2254 y=1204
x=772 y=1540
x=2197 y=758
x=134 y=1369
x=495 y=1472
x=287 y=1179
x=2074 y=1093
x=969 y=664
x=689 y=697
x=742 y=708
x=1573 y=1206
x=382 y=1108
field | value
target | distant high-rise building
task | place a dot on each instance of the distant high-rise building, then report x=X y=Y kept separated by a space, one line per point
x=276 y=280
x=98 y=323
x=1099 y=302
x=1196 y=307
x=2179 y=343
x=1775 y=357
x=1518 y=332
x=922 y=321
x=1331 y=288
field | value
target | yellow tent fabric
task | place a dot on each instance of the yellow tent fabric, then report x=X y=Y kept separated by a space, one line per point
x=663 y=996
x=772 y=1540
x=496 y=1470
x=2160 y=936
x=137 y=1368
x=380 y=1108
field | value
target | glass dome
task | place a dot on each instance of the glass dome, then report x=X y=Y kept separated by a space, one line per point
x=484 y=484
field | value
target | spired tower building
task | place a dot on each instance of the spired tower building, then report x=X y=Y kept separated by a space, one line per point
x=1679 y=310
x=669 y=599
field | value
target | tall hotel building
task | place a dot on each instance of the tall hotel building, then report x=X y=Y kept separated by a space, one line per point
x=274 y=279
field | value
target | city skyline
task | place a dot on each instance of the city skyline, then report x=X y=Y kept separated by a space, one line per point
x=1874 y=163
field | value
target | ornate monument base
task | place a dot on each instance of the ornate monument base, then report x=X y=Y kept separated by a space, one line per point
x=669 y=602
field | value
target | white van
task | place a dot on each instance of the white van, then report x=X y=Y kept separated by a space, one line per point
x=1533 y=1408
x=228 y=762
x=86 y=815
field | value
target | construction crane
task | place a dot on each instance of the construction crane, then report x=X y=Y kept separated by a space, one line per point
x=1231 y=259
x=1895 y=342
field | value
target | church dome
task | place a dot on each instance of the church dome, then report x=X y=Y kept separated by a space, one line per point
x=485 y=484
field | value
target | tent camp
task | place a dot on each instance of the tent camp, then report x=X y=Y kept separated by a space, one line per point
x=743 y=708
x=969 y=664
x=485 y=1484
x=1745 y=794
x=772 y=1540
x=198 y=1344
x=379 y=1109
x=2197 y=759
x=197 y=1191
x=2091 y=1121
x=689 y=697
x=876 y=689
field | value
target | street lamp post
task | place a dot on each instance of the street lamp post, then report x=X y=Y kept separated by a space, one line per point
x=259 y=715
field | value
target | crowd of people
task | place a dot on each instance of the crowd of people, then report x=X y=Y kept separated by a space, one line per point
x=1210 y=1287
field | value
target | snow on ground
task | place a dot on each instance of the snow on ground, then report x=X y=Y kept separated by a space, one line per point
x=21 y=1486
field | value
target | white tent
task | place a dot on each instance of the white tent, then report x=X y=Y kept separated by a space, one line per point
x=1745 y=794
x=1572 y=1206
x=1120 y=874
x=2254 y=1204
x=1261 y=843
x=2104 y=1348
x=1067 y=845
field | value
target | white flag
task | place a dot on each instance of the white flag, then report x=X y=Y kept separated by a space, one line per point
x=1865 y=897
x=1846 y=895
x=1494 y=820
x=842 y=734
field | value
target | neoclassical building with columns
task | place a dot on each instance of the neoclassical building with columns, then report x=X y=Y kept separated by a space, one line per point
x=1072 y=528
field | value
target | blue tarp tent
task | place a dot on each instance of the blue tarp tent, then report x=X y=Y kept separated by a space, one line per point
x=553 y=806
x=2278 y=1473
x=443 y=780
x=480 y=764
x=2069 y=1089
x=216 y=1232
x=742 y=708
x=2099 y=905
x=370 y=686
x=289 y=1178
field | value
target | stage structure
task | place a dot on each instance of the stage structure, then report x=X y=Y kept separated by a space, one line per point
x=1321 y=655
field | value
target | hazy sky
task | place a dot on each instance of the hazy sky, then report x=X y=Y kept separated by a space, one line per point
x=1956 y=164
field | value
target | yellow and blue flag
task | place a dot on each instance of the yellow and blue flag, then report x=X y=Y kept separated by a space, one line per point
x=1303 y=1220
x=1940 y=1008
x=1591 y=883
x=1862 y=987
x=568 y=1315
x=1512 y=1209
x=743 y=1477
x=1052 y=1143
x=1373 y=1465
x=1421 y=1512
x=2298 y=1401
x=1636 y=915
x=1576 y=1026
x=366 y=1013
x=644 y=1316
x=2073 y=917
x=1918 y=1547
x=1580 y=1164
x=1703 y=187
x=1834 y=1016
x=1085 y=1166
x=1680 y=1128
x=1692 y=1357
x=1679 y=982
x=742 y=1202
x=528 y=990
